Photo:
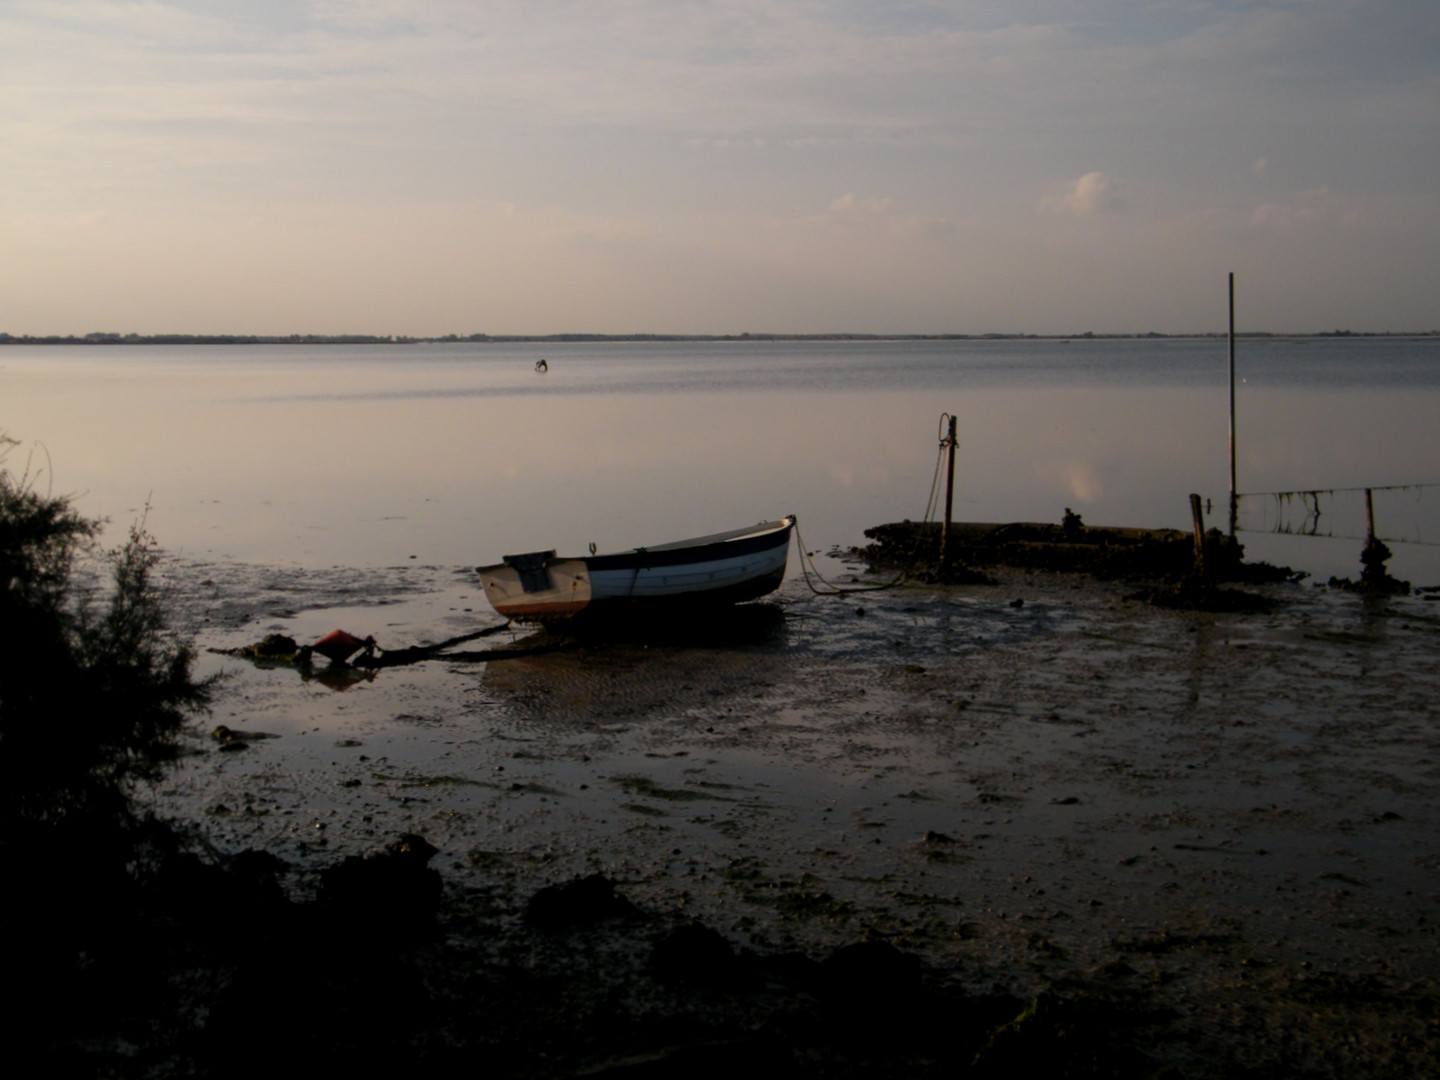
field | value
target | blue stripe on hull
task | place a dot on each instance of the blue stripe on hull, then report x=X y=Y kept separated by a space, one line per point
x=688 y=579
x=735 y=593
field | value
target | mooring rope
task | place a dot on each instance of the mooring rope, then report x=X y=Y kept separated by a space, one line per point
x=808 y=569
x=807 y=563
x=933 y=504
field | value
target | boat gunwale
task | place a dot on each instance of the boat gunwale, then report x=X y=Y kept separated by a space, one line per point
x=754 y=538
x=699 y=550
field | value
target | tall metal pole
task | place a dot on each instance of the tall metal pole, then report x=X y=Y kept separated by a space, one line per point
x=1234 y=498
x=950 y=441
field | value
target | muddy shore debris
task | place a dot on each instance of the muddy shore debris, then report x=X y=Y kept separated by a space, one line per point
x=1169 y=567
x=1072 y=547
x=380 y=970
x=642 y=982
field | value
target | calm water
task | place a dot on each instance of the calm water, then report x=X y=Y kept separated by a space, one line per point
x=455 y=454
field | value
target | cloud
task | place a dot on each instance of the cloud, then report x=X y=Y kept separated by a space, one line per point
x=848 y=203
x=1306 y=208
x=1093 y=193
x=1281 y=216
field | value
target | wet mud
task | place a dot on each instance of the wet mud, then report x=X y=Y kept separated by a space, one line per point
x=1226 y=823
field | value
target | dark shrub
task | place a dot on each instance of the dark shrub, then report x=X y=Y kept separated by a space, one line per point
x=94 y=686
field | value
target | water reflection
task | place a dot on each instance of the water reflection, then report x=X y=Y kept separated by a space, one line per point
x=453 y=456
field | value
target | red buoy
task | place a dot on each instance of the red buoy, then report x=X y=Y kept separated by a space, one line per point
x=340 y=646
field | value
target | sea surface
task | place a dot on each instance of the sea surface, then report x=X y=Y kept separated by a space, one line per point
x=454 y=454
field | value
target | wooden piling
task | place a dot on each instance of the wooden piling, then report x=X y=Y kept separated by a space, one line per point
x=950 y=441
x=1197 y=522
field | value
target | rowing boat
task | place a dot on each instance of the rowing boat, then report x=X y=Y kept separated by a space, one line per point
x=723 y=568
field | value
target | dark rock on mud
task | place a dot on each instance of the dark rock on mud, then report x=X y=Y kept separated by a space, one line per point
x=262 y=984
x=1122 y=554
x=1375 y=579
x=870 y=986
x=313 y=1003
x=871 y=972
x=230 y=739
x=272 y=649
x=1164 y=558
x=1056 y=1037
x=390 y=891
x=1198 y=592
x=581 y=902
x=220 y=895
x=697 y=955
x=274 y=645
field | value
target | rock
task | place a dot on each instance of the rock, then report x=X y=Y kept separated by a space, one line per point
x=390 y=889
x=1053 y=1036
x=869 y=992
x=696 y=955
x=869 y=973
x=1112 y=969
x=256 y=875
x=275 y=645
x=581 y=902
x=1038 y=1040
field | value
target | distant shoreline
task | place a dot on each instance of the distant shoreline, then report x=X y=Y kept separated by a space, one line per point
x=546 y=339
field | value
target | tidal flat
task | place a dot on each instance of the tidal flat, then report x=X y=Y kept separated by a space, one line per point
x=1229 y=823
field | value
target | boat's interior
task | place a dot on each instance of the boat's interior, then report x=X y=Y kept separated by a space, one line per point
x=720 y=538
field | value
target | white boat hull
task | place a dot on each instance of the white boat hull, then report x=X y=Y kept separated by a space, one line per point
x=724 y=568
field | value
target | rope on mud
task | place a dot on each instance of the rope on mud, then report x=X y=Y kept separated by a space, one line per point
x=513 y=654
x=807 y=565
x=415 y=654
x=808 y=569
x=281 y=649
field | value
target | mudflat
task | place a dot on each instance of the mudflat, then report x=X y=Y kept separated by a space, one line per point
x=1035 y=785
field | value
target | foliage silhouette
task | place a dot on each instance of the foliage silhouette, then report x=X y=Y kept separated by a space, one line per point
x=95 y=688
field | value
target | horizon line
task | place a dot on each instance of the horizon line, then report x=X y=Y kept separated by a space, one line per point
x=113 y=338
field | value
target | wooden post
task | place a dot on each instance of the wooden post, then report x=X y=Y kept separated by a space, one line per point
x=1234 y=498
x=1197 y=521
x=1369 y=517
x=950 y=441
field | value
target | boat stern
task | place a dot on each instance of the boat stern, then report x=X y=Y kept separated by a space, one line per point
x=536 y=586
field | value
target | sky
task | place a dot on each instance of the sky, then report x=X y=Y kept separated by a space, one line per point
x=428 y=167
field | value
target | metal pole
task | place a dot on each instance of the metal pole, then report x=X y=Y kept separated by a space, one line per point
x=1234 y=498
x=950 y=441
